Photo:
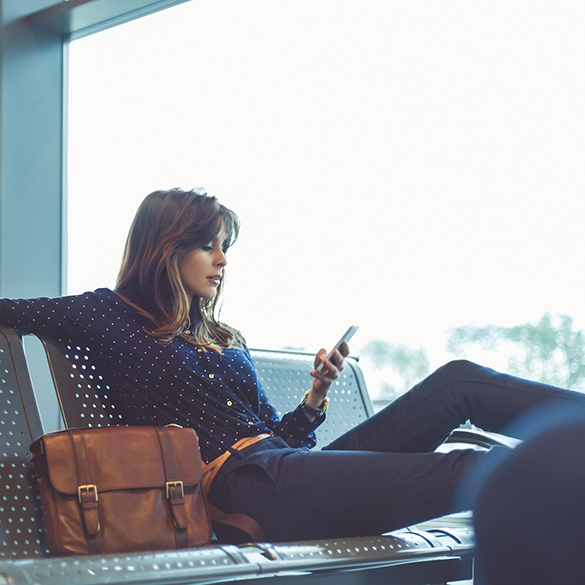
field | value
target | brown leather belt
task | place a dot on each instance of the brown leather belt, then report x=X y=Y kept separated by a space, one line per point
x=240 y=521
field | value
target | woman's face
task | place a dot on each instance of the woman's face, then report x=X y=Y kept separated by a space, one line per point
x=202 y=269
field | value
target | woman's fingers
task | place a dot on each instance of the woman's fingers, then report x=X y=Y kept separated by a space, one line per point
x=328 y=373
x=344 y=349
x=327 y=370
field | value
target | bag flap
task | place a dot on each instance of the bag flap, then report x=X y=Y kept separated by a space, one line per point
x=121 y=458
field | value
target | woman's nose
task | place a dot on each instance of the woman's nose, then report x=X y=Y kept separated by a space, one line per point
x=221 y=259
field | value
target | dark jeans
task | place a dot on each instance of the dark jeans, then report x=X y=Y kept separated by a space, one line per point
x=383 y=474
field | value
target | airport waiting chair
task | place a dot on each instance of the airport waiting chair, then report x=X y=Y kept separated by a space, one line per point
x=414 y=557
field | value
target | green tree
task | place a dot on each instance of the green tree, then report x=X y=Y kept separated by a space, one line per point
x=550 y=351
x=408 y=365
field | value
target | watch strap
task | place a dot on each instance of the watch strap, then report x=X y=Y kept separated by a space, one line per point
x=316 y=412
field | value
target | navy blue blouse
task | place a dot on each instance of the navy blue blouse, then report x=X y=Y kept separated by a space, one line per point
x=219 y=395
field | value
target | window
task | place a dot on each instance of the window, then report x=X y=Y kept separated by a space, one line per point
x=411 y=167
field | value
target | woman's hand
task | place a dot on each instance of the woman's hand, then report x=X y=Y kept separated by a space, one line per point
x=329 y=373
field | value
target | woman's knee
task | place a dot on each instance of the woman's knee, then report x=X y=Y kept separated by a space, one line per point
x=459 y=370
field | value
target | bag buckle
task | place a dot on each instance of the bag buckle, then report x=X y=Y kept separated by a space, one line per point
x=175 y=483
x=87 y=488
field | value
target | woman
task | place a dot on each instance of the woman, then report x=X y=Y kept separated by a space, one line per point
x=160 y=348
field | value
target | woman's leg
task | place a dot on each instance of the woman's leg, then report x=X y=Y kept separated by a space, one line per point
x=421 y=419
x=297 y=494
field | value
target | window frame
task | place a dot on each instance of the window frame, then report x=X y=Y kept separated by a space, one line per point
x=33 y=123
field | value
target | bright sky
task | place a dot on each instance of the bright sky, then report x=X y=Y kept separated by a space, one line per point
x=409 y=166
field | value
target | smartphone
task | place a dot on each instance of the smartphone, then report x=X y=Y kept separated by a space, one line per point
x=345 y=337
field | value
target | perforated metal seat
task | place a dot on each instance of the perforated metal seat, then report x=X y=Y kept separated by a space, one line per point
x=84 y=398
x=436 y=555
x=20 y=535
x=87 y=401
x=285 y=377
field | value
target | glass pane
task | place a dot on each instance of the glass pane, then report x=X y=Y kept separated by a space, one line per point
x=410 y=167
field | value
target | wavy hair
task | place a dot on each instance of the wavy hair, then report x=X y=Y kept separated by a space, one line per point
x=167 y=225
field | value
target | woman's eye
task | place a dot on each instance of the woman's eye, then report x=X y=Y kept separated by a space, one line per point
x=207 y=248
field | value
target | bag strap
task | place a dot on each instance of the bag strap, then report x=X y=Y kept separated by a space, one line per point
x=240 y=521
x=87 y=492
x=174 y=487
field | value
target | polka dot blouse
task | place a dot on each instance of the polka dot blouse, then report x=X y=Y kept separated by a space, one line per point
x=154 y=383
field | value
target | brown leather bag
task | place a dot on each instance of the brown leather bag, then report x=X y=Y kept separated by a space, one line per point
x=121 y=489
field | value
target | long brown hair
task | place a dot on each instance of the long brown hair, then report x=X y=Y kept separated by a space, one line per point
x=167 y=225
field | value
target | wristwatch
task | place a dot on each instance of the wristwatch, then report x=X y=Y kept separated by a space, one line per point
x=316 y=412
